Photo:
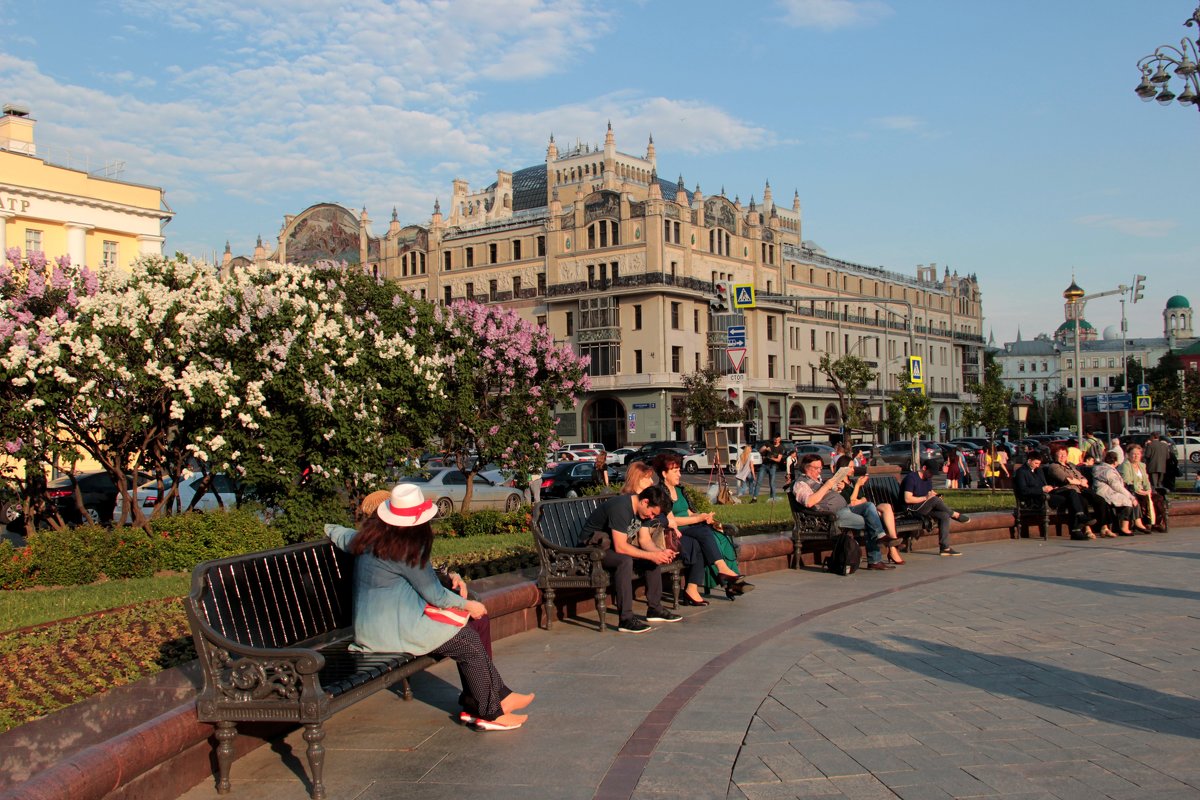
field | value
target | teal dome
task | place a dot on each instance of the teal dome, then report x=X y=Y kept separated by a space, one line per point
x=1178 y=301
x=1069 y=325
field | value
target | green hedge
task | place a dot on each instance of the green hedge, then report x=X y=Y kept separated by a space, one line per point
x=82 y=555
x=485 y=522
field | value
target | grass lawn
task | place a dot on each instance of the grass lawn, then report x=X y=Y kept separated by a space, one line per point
x=34 y=606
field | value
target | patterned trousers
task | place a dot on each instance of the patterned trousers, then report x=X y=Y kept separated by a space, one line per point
x=482 y=686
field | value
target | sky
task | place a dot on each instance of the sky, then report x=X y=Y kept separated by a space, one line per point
x=1001 y=139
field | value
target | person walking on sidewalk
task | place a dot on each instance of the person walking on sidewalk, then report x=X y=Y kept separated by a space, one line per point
x=747 y=479
x=920 y=498
x=772 y=457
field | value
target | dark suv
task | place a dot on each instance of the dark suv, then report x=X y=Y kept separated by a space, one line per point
x=900 y=453
x=648 y=451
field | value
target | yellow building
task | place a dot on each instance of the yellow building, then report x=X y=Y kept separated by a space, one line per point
x=58 y=210
x=623 y=265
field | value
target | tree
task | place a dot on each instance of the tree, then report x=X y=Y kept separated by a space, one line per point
x=502 y=378
x=1174 y=390
x=910 y=414
x=993 y=407
x=703 y=404
x=848 y=375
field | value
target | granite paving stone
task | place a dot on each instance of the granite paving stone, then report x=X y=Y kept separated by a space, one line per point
x=1025 y=671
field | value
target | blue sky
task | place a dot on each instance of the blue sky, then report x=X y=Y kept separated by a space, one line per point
x=1001 y=139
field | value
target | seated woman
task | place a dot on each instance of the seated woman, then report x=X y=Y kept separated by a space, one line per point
x=637 y=477
x=1067 y=492
x=697 y=527
x=401 y=607
x=1108 y=485
x=1133 y=472
x=887 y=515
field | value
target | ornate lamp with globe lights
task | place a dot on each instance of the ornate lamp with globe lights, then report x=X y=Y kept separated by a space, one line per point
x=1182 y=60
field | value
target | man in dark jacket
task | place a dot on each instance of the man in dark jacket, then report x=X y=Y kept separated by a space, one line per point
x=1157 y=453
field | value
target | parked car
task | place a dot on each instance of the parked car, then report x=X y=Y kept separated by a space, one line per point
x=619 y=455
x=1187 y=448
x=99 y=493
x=648 y=451
x=594 y=447
x=447 y=487
x=804 y=448
x=569 y=479
x=698 y=462
x=900 y=453
x=148 y=496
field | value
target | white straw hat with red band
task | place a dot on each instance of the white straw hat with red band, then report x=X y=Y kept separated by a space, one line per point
x=406 y=507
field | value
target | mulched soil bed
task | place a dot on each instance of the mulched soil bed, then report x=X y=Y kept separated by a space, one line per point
x=48 y=667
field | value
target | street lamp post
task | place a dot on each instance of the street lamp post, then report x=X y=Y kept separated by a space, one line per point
x=1182 y=60
x=1073 y=295
x=1021 y=405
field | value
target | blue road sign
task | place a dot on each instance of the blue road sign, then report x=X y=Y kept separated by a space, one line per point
x=736 y=335
x=1143 y=388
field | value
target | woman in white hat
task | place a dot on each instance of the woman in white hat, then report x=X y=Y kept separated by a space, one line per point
x=400 y=606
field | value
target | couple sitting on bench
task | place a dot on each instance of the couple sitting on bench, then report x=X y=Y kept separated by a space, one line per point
x=878 y=522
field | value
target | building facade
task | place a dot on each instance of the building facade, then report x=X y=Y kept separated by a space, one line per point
x=1038 y=368
x=58 y=210
x=622 y=265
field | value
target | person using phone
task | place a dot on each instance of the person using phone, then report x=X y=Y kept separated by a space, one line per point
x=855 y=513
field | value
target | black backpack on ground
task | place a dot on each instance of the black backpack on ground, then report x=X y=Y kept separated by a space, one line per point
x=845 y=555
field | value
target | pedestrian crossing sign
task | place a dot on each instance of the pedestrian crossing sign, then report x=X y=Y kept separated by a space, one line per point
x=1143 y=403
x=743 y=295
x=916 y=371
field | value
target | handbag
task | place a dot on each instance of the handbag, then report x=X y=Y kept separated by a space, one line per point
x=725 y=497
x=457 y=617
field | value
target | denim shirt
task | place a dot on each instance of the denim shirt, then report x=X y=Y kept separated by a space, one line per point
x=390 y=599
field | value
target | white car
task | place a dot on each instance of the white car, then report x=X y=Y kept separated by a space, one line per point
x=148 y=496
x=1187 y=448
x=619 y=455
x=698 y=462
x=447 y=487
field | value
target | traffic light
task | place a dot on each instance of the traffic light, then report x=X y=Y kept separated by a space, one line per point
x=734 y=396
x=1139 y=284
x=720 y=300
x=754 y=429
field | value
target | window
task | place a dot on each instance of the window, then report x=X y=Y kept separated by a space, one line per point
x=1070 y=383
x=516 y=250
x=637 y=361
x=637 y=319
x=541 y=245
x=470 y=291
x=541 y=283
x=33 y=241
x=696 y=320
x=492 y=253
x=697 y=367
x=675 y=316
x=771 y=361
x=604 y=358
x=470 y=256
x=446 y=261
x=446 y=293
x=109 y=258
x=770 y=329
x=541 y=320
x=812 y=339
x=1112 y=363
x=676 y=359
x=602 y=233
x=492 y=289
x=1020 y=366
x=570 y=324
x=516 y=286
x=1096 y=382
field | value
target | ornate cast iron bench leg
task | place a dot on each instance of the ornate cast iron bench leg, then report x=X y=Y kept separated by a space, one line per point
x=601 y=602
x=225 y=734
x=548 y=606
x=314 y=733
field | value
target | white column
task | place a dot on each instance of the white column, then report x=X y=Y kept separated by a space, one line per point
x=4 y=218
x=77 y=242
x=150 y=245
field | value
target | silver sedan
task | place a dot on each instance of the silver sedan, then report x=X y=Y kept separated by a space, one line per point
x=447 y=487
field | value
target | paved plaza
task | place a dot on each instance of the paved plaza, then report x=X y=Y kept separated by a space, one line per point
x=1020 y=670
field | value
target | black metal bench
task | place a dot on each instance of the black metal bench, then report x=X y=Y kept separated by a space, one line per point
x=811 y=525
x=1036 y=510
x=566 y=562
x=272 y=632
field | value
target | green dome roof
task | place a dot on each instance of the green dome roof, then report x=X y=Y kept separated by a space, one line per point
x=1178 y=301
x=1069 y=325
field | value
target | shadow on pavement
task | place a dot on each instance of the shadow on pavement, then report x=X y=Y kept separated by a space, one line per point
x=1103 y=587
x=1091 y=696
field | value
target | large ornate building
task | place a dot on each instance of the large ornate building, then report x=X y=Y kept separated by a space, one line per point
x=59 y=210
x=622 y=265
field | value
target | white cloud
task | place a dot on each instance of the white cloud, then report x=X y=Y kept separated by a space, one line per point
x=899 y=123
x=833 y=14
x=1144 y=228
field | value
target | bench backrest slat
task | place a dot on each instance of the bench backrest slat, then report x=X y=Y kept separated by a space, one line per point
x=279 y=597
x=561 y=521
